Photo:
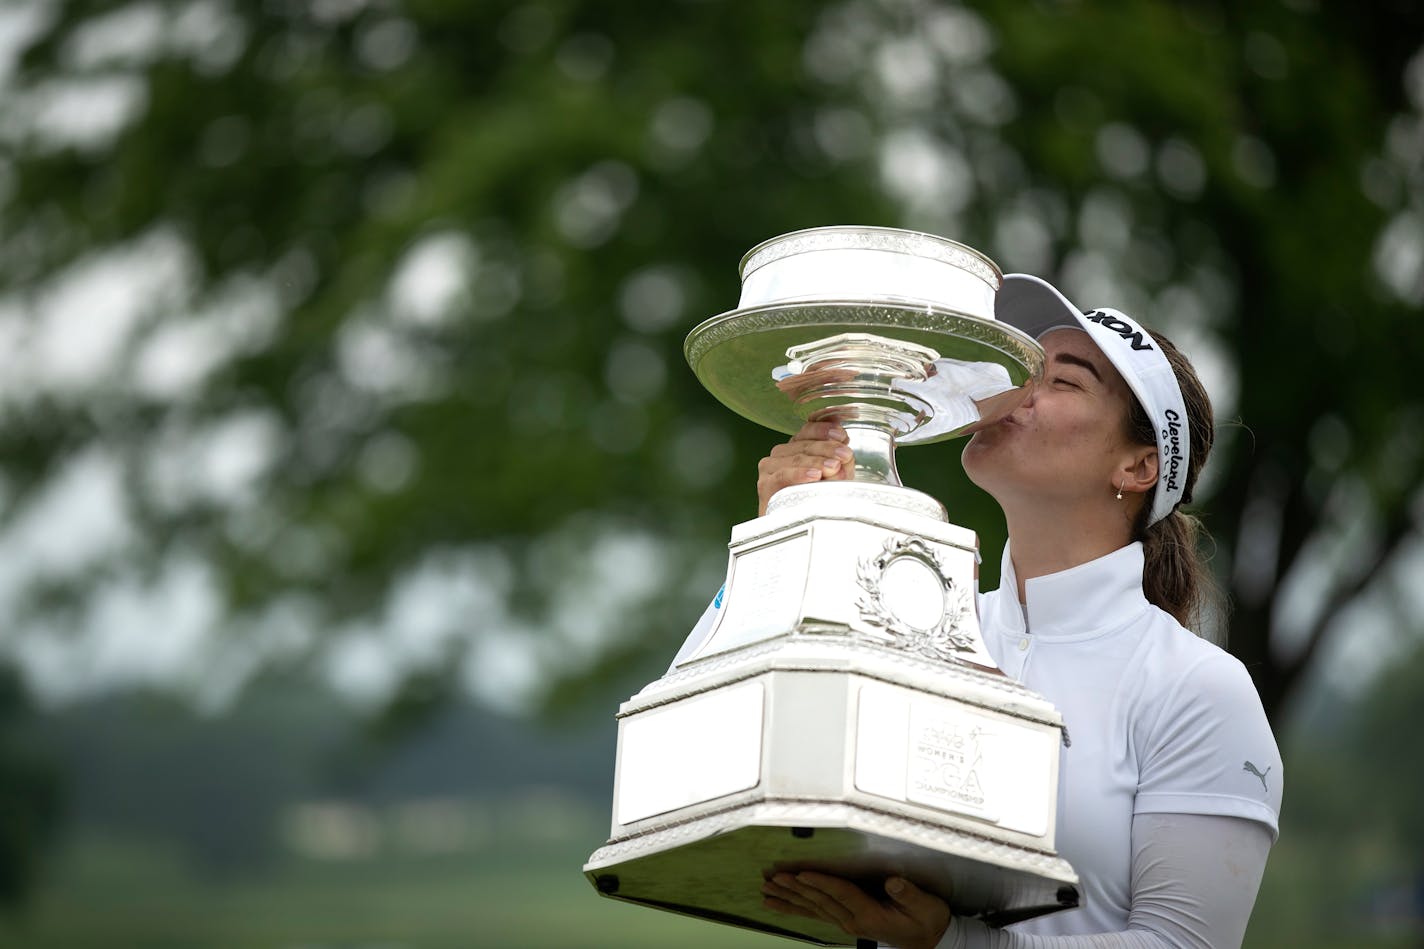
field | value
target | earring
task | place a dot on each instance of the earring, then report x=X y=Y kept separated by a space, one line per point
x=1119 y=490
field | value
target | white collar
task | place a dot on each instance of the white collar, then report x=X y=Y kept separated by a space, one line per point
x=1078 y=603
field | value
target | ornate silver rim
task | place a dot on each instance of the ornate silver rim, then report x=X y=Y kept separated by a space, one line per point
x=894 y=240
x=867 y=314
x=906 y=499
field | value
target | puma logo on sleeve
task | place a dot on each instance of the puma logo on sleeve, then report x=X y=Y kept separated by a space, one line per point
x=1248 y=766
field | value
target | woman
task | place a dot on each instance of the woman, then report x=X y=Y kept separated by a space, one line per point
x=1171 y=784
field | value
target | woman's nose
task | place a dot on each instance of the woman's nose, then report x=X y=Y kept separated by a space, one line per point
x=1031 y=390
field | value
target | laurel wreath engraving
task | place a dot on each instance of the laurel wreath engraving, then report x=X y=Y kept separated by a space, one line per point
x=945 y=640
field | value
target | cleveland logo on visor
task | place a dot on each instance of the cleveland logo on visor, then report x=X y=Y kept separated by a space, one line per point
x=1125 y=330
x=1171 y=439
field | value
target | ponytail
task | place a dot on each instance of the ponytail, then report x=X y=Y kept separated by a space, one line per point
x=1175 y=576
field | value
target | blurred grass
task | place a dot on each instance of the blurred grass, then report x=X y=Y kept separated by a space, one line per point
x=108 y=893
x=131 y=894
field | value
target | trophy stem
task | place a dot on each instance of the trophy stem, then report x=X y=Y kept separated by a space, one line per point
x=874 y=448
x=871 y=430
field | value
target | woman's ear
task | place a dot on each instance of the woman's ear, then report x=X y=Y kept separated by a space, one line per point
x=1139 y=473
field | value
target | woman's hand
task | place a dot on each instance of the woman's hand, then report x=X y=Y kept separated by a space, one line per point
x=819 y=452
x=910 y=918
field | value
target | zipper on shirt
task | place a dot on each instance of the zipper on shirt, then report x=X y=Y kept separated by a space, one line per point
x=1023 y=668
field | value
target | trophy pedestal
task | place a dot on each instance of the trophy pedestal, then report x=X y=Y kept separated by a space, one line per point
x=841 y=716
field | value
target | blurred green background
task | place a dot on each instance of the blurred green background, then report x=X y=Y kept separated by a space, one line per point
x=350 y=472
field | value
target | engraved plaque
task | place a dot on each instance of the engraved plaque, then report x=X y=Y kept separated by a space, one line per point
x=949 y=756
x=947 y=763
x=678 y=755
x=775 y=573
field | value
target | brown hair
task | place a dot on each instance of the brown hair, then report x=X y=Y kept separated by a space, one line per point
x=1175 y=576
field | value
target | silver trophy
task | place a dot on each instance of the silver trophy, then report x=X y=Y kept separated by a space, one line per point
x=843 y=714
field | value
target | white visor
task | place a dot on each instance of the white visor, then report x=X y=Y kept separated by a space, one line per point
x=1035 y=306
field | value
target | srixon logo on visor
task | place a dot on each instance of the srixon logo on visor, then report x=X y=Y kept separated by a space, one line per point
x=1121 y=328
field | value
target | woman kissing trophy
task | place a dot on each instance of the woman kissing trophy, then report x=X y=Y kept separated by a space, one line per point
x=837 y=710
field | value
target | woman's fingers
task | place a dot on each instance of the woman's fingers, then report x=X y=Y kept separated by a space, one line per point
x=828 y=456
x=838 y=896
x=910 y=917
x=785 y=899
x=818 y=452
x=822 y=431
x=805 y=894
x=775 y=474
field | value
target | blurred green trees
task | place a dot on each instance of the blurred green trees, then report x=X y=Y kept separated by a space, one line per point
x=364 y=319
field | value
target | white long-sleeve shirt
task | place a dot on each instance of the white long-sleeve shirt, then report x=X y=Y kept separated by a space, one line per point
x=1170 y=789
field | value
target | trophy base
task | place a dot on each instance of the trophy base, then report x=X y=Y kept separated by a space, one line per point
x=708 y=869
x=842 y=715
x=828 y=752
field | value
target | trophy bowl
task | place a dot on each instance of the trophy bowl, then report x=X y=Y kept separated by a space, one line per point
x=890 y=332
x=837 y=709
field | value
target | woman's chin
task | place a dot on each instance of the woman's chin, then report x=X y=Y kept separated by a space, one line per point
x=985 y=442
x=991 y=461
x=978 y=462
